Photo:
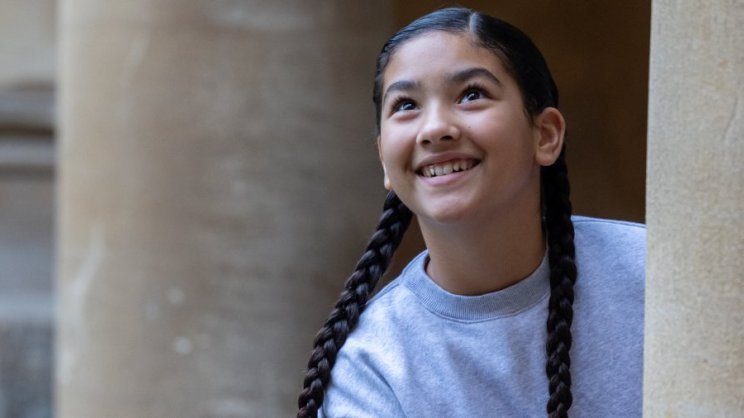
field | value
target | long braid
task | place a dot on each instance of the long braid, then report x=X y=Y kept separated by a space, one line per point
x=345 y=315
x=561 y=256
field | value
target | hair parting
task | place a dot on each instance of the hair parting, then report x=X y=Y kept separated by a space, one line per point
x=343 y=318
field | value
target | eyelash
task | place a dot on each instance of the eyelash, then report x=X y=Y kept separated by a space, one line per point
x=395 y=108
x=472 y=87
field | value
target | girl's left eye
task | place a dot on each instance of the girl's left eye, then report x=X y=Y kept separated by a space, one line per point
x=472 y=93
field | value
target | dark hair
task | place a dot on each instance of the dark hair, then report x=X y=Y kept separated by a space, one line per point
x=527 y=66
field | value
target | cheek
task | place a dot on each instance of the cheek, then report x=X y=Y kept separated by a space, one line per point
x=391 y=156
x=395 y=150
x=506 y=133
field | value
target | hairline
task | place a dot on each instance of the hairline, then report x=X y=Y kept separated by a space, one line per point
x=470 y=34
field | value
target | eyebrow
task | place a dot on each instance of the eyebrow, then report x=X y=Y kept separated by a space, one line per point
x=454 y=78
x=469 y=73
x=402 y=85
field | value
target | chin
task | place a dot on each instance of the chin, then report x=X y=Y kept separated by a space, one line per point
x=445 y=216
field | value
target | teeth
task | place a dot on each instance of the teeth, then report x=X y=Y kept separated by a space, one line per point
x=447 y=168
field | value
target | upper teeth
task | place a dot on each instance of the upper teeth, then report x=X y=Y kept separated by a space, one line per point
x=447 y=168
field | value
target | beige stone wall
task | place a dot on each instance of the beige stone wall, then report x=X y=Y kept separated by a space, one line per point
x=218 y=178
x=694 y=359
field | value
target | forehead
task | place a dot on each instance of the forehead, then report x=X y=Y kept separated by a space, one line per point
x=437 y=54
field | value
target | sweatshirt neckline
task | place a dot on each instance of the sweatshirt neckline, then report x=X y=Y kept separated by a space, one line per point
x=505 y=302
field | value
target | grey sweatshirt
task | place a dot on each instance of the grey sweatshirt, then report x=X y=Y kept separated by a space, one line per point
x=420 y=351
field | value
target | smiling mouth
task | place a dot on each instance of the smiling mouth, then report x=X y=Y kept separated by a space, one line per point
x=449 y=167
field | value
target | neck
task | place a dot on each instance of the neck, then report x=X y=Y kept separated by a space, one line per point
x=484 y=256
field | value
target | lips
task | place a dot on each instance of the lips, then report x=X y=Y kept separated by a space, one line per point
x=444 y=168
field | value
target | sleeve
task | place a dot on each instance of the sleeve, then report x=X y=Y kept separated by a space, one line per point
x=359 y=390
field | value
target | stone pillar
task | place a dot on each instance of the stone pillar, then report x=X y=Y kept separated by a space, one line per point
x=217 y=180
x=694 y=358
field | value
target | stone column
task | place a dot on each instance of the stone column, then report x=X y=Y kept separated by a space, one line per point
x=694 y=358
x=217 y=180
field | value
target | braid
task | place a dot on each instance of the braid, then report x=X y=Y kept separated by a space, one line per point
x=342 y=320
x=561 y=256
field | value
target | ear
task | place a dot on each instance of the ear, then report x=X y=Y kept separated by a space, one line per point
x=386 y=180
x=550 y=128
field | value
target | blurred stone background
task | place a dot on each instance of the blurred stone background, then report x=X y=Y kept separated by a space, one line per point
x=27 y=74
x=216 y=179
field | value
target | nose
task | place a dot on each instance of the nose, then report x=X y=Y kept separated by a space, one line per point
x=438 y=124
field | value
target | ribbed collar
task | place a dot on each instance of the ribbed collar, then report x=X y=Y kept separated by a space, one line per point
x=504 y=302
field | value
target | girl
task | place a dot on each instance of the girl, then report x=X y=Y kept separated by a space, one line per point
x=515 y=304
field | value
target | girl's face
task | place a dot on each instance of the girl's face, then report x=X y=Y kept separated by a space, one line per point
x=455 y=141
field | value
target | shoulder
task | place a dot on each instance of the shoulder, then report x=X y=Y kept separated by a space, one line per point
x=611 y=238
x=609 y=228
x=389 y=316
x=608 y=314
x=611 y=252
x=394 y=301
x=360 y=384
x=610 y=249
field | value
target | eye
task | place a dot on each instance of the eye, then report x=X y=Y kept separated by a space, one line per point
x=472 y=93
x=403 y=104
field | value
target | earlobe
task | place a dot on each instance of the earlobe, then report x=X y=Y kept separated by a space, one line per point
x=551 y=128
x=386 y=180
